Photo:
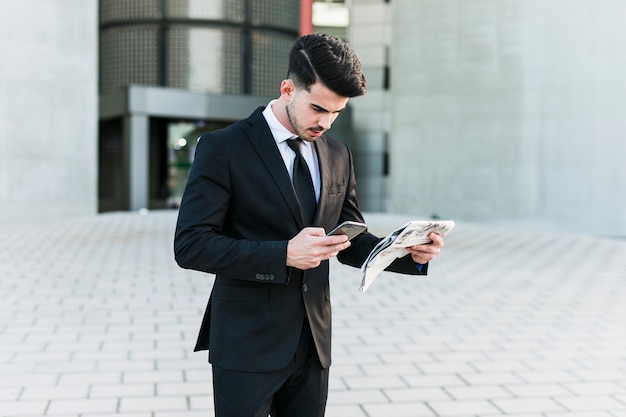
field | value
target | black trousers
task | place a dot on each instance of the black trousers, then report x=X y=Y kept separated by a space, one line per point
x=298 y=390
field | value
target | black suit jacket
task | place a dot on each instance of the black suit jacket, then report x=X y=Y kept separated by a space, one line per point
x=237 y=214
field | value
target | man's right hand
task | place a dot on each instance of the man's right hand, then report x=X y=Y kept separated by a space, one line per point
x=311 y=246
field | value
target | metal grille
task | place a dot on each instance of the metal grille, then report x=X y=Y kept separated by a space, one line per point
x=204 y=60
x=120 y=10
x=195 y=9
x=227 y=10
x=270 y=54
x=275 y=13
x=234 y=10
x=128 y=56
x=233 y=63
x=189 y=48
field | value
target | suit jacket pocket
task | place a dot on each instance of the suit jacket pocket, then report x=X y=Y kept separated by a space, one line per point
x=243 y=294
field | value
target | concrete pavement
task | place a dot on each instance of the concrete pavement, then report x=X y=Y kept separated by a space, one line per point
x=96 y=319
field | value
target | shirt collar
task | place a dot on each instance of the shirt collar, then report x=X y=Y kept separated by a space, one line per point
x=280 y=132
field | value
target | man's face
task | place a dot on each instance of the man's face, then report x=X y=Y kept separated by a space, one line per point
x=312 y=113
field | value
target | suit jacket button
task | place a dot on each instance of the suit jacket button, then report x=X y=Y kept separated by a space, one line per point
x=304 y=287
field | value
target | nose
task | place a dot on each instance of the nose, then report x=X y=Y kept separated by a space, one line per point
x=326 y=120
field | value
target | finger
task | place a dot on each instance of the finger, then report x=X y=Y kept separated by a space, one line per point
x=336 y=239
x=420 y=259
x=436 y=239
x=315 y=231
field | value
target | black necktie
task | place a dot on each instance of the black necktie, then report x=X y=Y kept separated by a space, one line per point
x=302 y=183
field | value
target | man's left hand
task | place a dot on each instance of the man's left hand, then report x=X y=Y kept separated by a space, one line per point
x=425 y=253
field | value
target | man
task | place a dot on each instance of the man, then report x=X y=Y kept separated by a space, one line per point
x=267 y=325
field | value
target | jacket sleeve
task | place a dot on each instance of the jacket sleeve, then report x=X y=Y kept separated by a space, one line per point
x=362 y=245
x=202 y=242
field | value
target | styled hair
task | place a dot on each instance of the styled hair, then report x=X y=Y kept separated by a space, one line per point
x=326 y=59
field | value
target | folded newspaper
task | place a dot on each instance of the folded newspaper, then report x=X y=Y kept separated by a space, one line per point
x=394 y=246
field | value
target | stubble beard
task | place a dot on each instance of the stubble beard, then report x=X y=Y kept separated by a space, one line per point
x=294 y=123
x=296 y=128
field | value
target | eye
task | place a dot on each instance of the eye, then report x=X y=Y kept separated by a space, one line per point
x=319 y=109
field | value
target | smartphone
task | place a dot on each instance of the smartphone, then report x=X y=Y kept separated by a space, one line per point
x=350 y=229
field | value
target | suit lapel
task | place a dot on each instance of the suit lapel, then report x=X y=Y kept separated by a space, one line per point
x=260 y=136
x=323 y=159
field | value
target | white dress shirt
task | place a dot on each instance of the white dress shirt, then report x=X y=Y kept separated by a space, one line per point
x=281 y=135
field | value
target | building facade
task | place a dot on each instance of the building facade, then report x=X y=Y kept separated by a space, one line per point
x=370 y=35
x=171 y=70
x=497 y=111
x=48 y=109
x=489 y=111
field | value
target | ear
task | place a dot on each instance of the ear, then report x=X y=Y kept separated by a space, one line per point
x=287 y=90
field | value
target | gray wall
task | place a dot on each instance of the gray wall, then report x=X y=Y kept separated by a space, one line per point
x=370 y=36
x=510 y=111
x=48 y=109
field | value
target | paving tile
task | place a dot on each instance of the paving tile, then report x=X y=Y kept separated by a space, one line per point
x=528 y=405
x=114 y=364
x=201 y=402
x=463 y=408
x=477 y=392
x=88 y=378
x=597 y=375
x=399 y=410
x=537 y=390
x=357 y=396
x=336 y=384
x=394 y=368
x=592 y=388
x=445 y=368
x=515 y=323
x=399 y=395
x=17 y=408
x=58 y=392
x=439 y=380
x=362 y=359
x=22 y=368
x=451 y=357
x=98 y=414
x=333 y=410
x=361 y=382
x=10 y=394
x=493 y=378
x=190 y=413
x=409 y=359
x=498 y=366
x=199 y=375
x=591 y=403
x=66 y=407
x=338 y=370
x=154 y=404
x=121 y=390
x=132 y=377
x=584 y=414
x=66 y=366
x=188 y=365
x=157 y=354
x=37 y=356
x=538 y=377
x=12 y=380
x=187 y=388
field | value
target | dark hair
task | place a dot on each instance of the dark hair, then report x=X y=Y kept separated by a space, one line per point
x=329 y=60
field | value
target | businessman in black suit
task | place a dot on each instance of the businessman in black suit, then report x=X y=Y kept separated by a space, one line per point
x=267 y=325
